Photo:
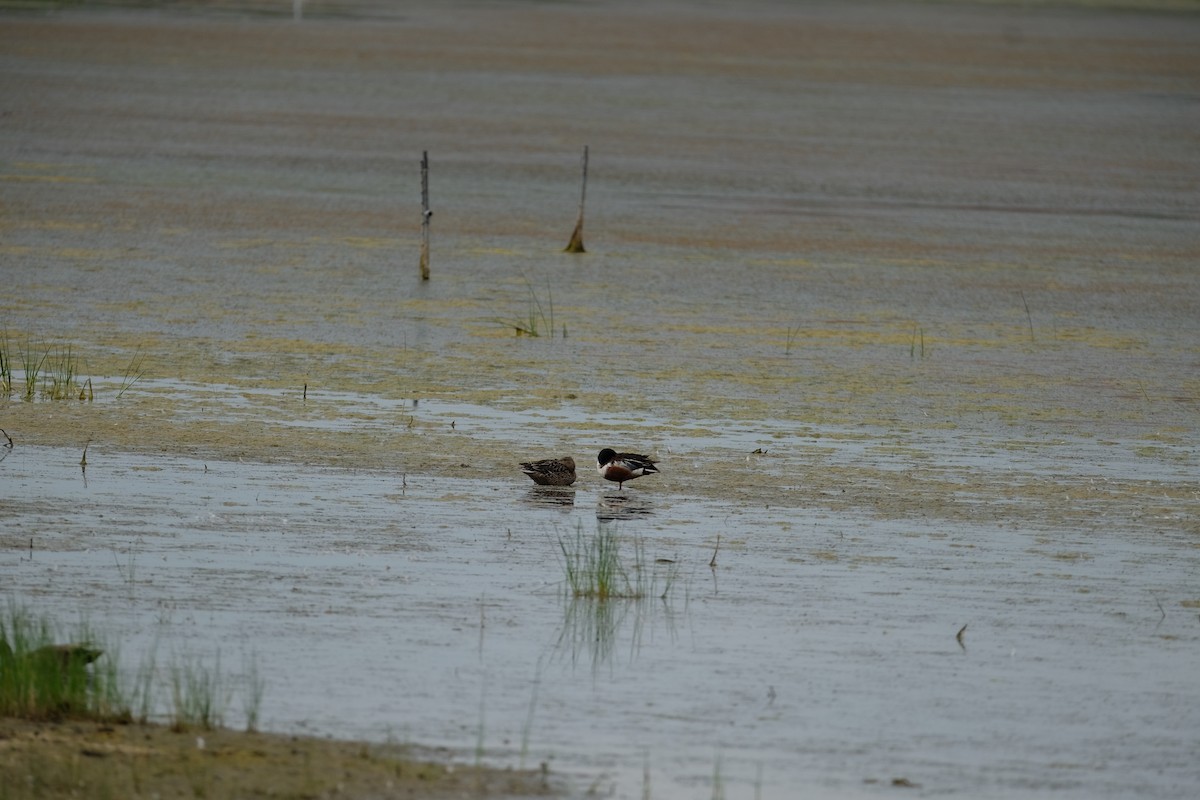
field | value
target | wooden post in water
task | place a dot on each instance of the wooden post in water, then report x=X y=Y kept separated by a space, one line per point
x=576 y=243
x=425 y=215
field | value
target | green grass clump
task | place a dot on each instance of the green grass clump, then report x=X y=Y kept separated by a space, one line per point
x=31 y=367
x=538 y=317
x=40 y=679
x=605 y=589
x=60 y=370
x=595 y=568
x=55 y=369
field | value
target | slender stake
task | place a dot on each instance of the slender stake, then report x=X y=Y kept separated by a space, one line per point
x=576 y=243
x=425 y=215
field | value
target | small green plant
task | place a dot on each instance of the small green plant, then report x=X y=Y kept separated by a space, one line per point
x=6 y=380
x=538 y=318
x=595 y=569
x=253 y=694
x=137 y=369
x=603 y=590
x=197 y=699
x=593 y=565
x=31 y=368
x=143 y=691
x=60 y=368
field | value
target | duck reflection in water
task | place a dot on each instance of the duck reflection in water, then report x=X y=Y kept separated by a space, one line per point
x=619 y=506
x=553 y=496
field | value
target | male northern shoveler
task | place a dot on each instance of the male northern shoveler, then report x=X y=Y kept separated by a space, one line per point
x=551 y=471
x=621 y=467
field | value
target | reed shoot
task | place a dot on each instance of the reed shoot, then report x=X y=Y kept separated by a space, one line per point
x=137 y=369
x=6 y=384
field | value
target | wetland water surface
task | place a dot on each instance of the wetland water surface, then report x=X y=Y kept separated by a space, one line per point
x=903 y=297
x=819 y=652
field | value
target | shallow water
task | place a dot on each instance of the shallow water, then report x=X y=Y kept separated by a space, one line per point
x=818 y=653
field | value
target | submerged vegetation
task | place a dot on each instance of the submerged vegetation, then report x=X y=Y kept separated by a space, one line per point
x=54 y=370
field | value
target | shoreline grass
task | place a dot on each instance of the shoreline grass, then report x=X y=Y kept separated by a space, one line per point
x=198 y=695
x=43 y=680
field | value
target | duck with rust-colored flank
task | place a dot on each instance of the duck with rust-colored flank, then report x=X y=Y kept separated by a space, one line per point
x=551 y=471
x=621 y=467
